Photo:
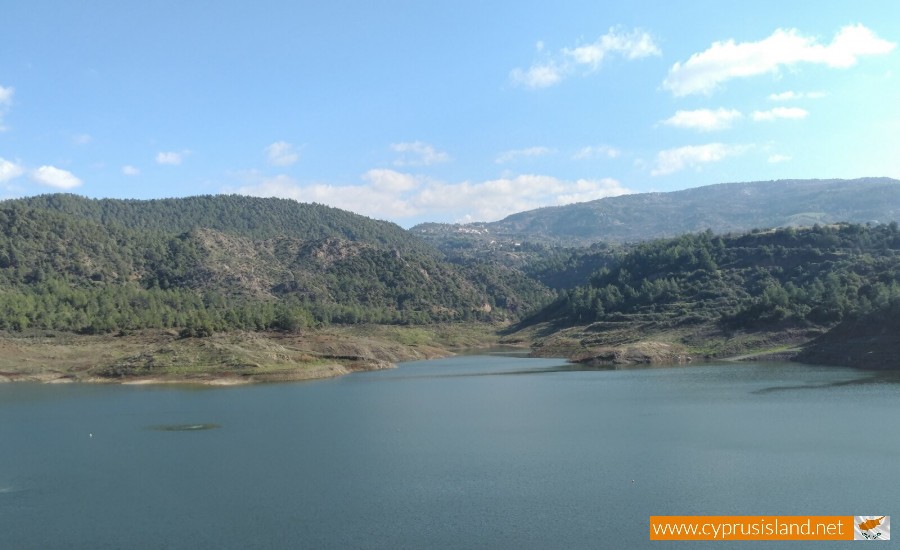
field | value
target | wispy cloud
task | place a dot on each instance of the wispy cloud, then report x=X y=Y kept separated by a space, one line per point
x=552 y=69
x=775 y=159
x=386 y=193
x=704 y=120
x=82 y=139
x=708 y=120
x=497 y=198
x=282 y=153
x=791 y=96
x=539 y=75
x=9 y=170
x=794 y=113
x=705 y=71
x=129 y=170
x=674 y=160
x=383 y=180
x=516 y=154
x=172 y=158
x=630 y=45
x=417 y=153
x=55 y=177
x=597 y=151
x=6 y=95
x=372 y=199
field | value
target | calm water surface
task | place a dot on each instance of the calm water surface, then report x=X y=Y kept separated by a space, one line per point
x=469 y=452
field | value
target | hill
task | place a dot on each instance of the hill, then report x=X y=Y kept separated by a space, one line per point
x=252 y=217
x=230 y=262
x=870 y=341
x=714 y=296
x=723 y=208
x=201 y=265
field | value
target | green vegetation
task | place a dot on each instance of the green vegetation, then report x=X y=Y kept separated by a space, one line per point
x=200 y=268
x=707 y=292
x=208 y=264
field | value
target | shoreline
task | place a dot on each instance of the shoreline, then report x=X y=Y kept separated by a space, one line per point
x=227 y=359
x=243 y=358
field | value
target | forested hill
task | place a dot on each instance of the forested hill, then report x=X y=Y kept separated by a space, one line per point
x=723 y=208
x=230 y=262
x=235 y=214
x=772 y=281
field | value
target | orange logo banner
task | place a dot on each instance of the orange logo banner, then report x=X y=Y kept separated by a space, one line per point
x=752 y=527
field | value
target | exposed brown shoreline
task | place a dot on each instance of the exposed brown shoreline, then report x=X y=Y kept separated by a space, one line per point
x=161 y=357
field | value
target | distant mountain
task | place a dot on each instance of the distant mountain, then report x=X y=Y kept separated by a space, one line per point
x=723 y=208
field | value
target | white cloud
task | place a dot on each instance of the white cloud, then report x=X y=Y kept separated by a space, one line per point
x=375 y=200
x=515 y=154
x=791 y=96
x=282 y=153
x=775 y=159
x=597 y=151
x=130 y=170
x=81 y=139
x=6 y=95
x=172 y=158
x=395 y=195
x=417 y=153
x=55 y=177
x=9 y=170
x=390 y=181
x=496 y=199
x=705 y=71
x=537 y=76
x=635 y=44
x=794 y=113
x=693 y=156
x=705 y=120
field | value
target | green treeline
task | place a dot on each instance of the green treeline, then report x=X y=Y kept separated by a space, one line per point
x=55 y=304
x=817 y=276
x=205 y=264
x=236 y=214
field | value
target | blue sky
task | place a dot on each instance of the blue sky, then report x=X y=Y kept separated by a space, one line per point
x=442 y=111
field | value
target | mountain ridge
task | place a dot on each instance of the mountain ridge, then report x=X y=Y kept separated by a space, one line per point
x=199 y=266
x=723 y=208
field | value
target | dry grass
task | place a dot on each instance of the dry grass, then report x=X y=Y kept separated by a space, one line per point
x=237 y=357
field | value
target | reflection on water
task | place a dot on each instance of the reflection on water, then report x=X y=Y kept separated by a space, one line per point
x=525 y=372
x=871 y=377
x=184 y=427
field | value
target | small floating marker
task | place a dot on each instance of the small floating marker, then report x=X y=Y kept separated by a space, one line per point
x=91 y=436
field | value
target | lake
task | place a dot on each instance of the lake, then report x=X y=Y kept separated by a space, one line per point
x=473 y=451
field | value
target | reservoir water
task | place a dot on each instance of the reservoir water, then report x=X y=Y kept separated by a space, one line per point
x=468 y=452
